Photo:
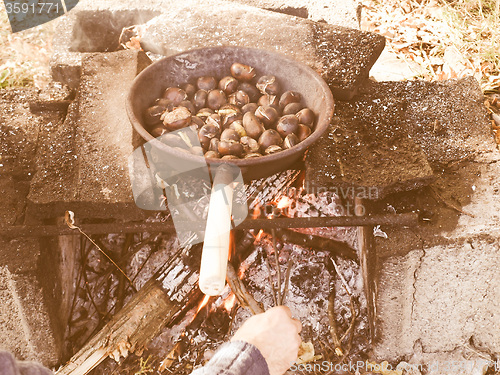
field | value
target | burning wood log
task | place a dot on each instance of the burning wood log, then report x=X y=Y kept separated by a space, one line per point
x=160 y=302
x=239 y=289
x=128 y=331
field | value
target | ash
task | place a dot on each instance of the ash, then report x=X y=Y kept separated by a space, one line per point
x=312 y=278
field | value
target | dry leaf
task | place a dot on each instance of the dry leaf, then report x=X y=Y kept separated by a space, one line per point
x=306 y=353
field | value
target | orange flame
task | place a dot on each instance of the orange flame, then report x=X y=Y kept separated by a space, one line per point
x=259 y=235
x=256 y=212
x=230 y=302
x=232 y=245
x=203 y=303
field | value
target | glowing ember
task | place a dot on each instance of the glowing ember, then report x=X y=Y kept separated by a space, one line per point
x=203 y=303
x=230 y=302
x=256 y=212
x=259 y=235
x=284 y=202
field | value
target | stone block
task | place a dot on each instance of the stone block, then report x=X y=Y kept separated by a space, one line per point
x=18 y=132
x=92 y=27
x=441 y=297
x=24 y=322
x=95 y=25
x=19 y=254
x=83 y=164
x=345 y=13
x=342 y=56
x=394 y=134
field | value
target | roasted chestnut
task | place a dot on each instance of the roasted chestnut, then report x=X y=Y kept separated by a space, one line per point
x=152 y=115
x=230 y=157
x=271 y=100
x=290 y=141
x=189 y=89
x=158 y=131
x=195 y=120
x=288 y=124
x=252 y=155
x=239 y=98
x=187 y=104
x=272 y=150
x=214 y=119
x=237 y=126
x=306 y=116
x=204 y=113
x=206 y=83
x=176 y=119
x=250 y=145
x=230 y=135
x=229 y=113
x=303 y=132
x=228 y=109
x=268 y=85
x=229 y=119
x=228 y=84
x=292 y=108
x=242 y=72
x=214 y=144
x=175 y=94
x=251 y=90
x=289 y=97
x=200 y=99
x=216 y=99
x=252 y=125
x=268 y=115
x=230 y=148
x=250 y=107
x=168 y=104
x=206 y=133
x=212 y=155
x=268 y=138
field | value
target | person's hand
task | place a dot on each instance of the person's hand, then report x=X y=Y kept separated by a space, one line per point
x=276 y=335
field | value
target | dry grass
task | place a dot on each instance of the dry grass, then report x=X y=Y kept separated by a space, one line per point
x=441 y=39
x=24 y=56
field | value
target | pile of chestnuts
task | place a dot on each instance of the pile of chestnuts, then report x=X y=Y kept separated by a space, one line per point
x=238 y=116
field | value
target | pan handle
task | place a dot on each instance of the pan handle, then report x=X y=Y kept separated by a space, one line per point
x=215 y=251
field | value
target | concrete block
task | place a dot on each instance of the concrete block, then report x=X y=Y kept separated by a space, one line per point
x=342 y=56
x=19 y=254
x=336 y=12
x=18 y=132
x=481 y=201
x=24 y=322
x=442 y=297
x=394 y=134
x=95 y=25
x=83 y=164
x=368 y=152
